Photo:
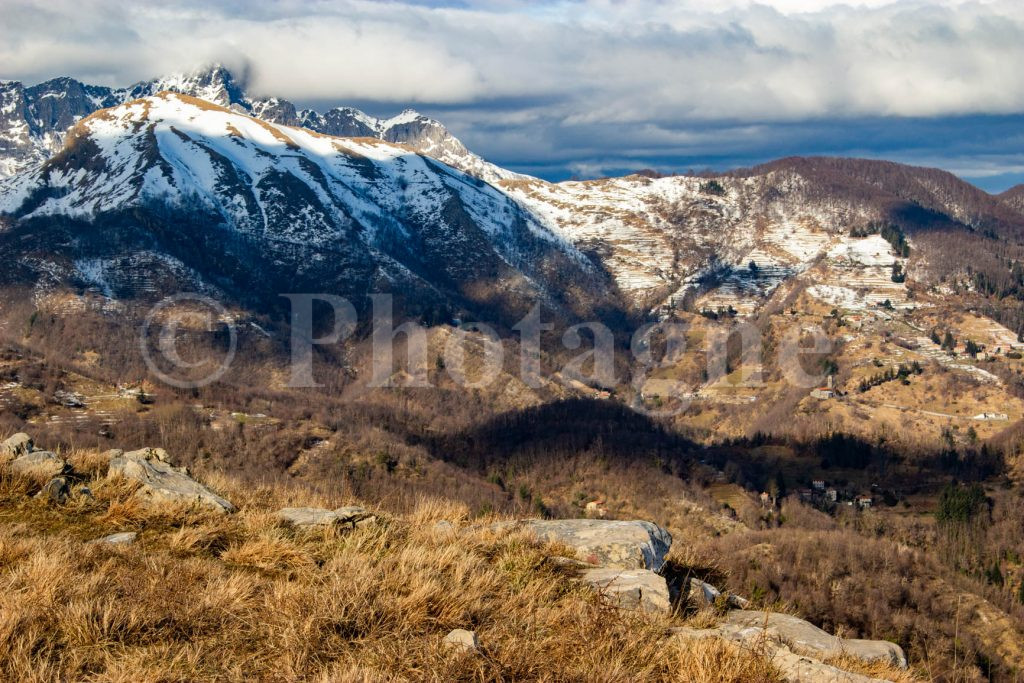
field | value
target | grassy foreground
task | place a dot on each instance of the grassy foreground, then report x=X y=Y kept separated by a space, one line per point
x=202 y=597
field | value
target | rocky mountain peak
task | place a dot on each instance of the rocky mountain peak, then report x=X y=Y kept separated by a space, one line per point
x=34 y=121
x=214 y=83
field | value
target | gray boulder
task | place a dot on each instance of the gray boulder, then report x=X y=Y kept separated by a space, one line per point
x=806 y=638
x=352 y=515
x=56 y=491
x=122 y=538
x=41 y=464
x=17 y=445
x=634 y=589
x=162 y=483
x=703 y=593
x=793 y=667
x=608 y=543
x=460 y=639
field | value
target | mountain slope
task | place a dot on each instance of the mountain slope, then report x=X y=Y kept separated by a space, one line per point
x=277 y=209
x=667 y=239
x=1014 y=198
x=34 y=120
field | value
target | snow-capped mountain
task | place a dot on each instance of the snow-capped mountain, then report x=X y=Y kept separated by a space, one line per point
x=667 y=240
x=191 y=192
x=359 y=202
x=34 y=120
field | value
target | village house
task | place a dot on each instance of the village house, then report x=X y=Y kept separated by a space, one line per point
x=826 y=391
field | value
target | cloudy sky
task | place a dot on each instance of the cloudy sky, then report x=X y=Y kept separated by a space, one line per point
x=593 y=87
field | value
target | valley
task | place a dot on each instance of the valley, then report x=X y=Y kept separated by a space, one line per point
x=826 y=412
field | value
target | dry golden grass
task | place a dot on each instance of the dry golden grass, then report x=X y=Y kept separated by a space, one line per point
x=876 y=669
x=200 y=598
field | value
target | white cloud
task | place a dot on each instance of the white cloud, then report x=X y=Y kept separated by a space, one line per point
x=657 y=70
x=610 y=61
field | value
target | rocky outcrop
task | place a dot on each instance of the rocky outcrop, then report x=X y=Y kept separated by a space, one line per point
x=39 y=464
x=352 y=515
x=798 y=648
x=24 y=459
x=306 y=517
x=806 y=638
x=608 y=543
x=618 y=559
x=635 y=589
x=162 y=483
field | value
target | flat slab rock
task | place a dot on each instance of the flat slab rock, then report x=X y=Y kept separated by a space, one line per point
x=798 y=647
x=308 y=517
x=162 y=483
x=607 y=543
x=635 y=589
x=805 y=637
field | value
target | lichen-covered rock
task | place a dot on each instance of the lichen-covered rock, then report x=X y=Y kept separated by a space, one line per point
x=608 y=543
x=56 y=491
x=162 y=483
x=636 y=589
x=39 y=464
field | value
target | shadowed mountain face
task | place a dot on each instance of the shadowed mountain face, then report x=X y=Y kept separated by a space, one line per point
x=908 y=196
x=171 y=192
